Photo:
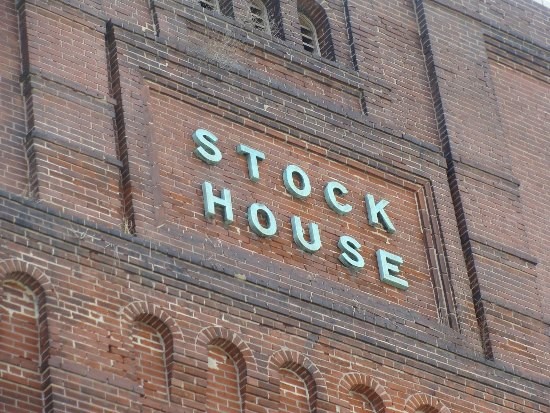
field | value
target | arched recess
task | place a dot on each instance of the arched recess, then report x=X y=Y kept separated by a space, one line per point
x=360 y=392
x=285 y=367
x=424 y=403
x=265 y=15
x=317 y=15
x=156 y=340
x=26 y=295
x=223 y=353
x=224 y=7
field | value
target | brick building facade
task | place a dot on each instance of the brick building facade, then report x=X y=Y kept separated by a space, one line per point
x=281 y=206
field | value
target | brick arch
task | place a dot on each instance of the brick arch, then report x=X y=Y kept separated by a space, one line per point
x=157 y=318
x=39 y=284
x=33 y=277
x=147 y=313
x=317 y=14
x=424 y=402
x=228 y=340
x=303 y=367
x=367 y=386
x=237 y=349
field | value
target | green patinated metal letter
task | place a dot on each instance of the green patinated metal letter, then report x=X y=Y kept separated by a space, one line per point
x=252 y=158
x=298 y=234
x=291 y=187
x=211 y=201
x=388 y=268
x=255 y=223
x=330 y=196
x=375 y=211
x=350 y=256
x=206 y=150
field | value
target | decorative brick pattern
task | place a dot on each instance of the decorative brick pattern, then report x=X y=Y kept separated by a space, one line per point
x=364 y=394
x=424 y=403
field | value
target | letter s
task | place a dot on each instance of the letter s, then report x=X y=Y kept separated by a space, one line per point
x=206 y=150
x=350 y=256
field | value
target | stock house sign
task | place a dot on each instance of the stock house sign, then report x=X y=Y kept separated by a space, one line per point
x=262 y=221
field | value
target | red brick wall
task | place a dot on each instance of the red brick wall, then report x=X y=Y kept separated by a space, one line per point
x=134 y=296
x=86 y=328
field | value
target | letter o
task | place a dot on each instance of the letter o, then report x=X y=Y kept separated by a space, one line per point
x=291 y=187
x=255 y=224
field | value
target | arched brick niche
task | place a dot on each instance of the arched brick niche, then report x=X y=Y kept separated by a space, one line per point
x=301 y=387
x=424 y=403
x=229 y=369
x=155 y=342
x=26 y=294
x=360 y=393
x=226 y=378
x=317 y=15
x=271 y=18
x=275 y=19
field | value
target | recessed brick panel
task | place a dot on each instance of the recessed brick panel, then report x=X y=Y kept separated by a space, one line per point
x=520 y=336
x=132 y=11
x=76 y=118
x=76 y=182
x=78 y=55
x=13 y=168
x=182 y=173
x=388 y=47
